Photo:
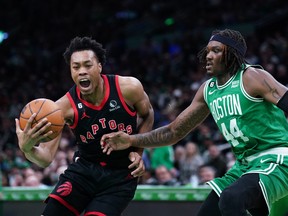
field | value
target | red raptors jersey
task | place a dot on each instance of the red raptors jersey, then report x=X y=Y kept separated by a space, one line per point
x=91 y=122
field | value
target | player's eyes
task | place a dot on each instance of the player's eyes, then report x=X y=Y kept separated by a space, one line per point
x=218 y=49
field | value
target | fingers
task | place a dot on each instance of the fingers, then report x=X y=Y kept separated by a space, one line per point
x=114 y=142
x=140 y=170
x=30 y=122
x=133 y=157
x=41 y=125
x=34 y=130
x=106 y=138
x=109 y=150
x=41 y=130
x=105 y=146
x=107 y=143
x=137 y=164
x=36 y=127
x=103 y=140
x=17 y=125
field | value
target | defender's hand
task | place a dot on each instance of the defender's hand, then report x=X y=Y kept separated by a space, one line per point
x=115 y=141
x=137 y=163
x=28 y=137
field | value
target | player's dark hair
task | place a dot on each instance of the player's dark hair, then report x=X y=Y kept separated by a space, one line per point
x=85 y=43
x=232 y=58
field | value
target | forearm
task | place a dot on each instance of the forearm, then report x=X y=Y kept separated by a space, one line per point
x=172 y=133
x=39 y=156
x=146 y=125
x=159 y=137
x=43 y=154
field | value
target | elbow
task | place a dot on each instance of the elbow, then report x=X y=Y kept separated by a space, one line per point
x=39 y=156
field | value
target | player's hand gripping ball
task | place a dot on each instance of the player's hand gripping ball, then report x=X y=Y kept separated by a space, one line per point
x=44 y=108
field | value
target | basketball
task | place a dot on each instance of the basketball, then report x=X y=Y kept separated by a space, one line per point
x=44 y=108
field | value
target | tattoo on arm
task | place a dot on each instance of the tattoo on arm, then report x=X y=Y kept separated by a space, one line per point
x=272 y=90
x=155 y=138
x=165 y=135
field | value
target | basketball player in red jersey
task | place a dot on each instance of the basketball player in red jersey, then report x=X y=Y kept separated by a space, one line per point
x=94 y=183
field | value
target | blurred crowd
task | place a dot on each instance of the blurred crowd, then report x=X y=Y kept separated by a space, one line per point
x=32 y=67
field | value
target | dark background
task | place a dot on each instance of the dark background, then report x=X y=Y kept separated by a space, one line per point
x=155 y=41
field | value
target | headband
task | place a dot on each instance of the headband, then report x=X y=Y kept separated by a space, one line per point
x=229 y=42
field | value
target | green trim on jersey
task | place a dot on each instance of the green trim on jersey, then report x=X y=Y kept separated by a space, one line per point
x=251 y=125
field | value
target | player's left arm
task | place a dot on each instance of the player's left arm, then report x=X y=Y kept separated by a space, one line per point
x=135 y=96
x=260 y=83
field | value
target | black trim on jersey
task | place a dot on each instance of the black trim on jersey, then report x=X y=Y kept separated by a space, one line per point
x=283 y=102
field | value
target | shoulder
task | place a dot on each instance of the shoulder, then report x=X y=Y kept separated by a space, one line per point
x=253 y=72
x=130 y=85
x=131 y=89
x=254 y=79
x=258 y=75
x=129 y=82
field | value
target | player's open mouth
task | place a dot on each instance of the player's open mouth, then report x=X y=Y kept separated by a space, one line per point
x=84 y=83
x=208 y=66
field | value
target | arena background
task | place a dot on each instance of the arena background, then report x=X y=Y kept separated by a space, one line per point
x=155 y=41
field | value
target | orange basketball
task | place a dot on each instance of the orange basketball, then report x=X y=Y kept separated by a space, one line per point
x=44 y=108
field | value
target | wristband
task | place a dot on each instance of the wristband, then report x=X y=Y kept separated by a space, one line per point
x=283 y=102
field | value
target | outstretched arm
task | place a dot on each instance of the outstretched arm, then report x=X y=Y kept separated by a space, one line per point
x=190 y=118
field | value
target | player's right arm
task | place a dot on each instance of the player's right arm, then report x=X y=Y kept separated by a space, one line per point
x=30 y=139
x=170 y=134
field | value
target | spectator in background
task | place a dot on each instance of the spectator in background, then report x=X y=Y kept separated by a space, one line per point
x=163 y=177
x=231 y=160
x=162 y=156
x=190 y=163
x=146 y=159
x=179 y=155
x=4 y=180
x=16 y=178
x=205 y=173
x=33 y=181
x=28 y=172
x=214 y=158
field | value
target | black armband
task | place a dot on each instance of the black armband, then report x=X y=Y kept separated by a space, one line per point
x=283 y=102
